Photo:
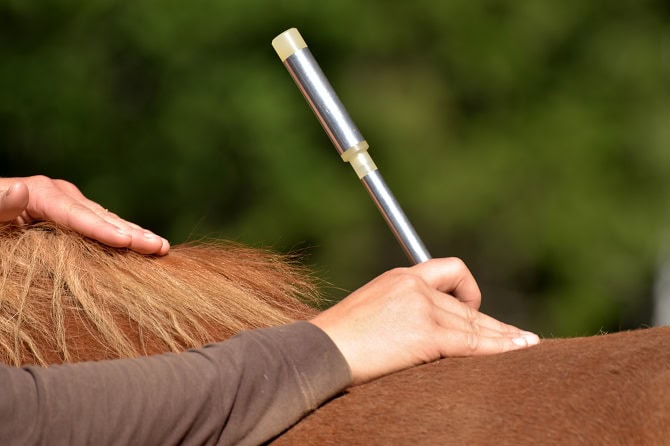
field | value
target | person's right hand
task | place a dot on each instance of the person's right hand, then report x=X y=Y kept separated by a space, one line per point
x=410 y=316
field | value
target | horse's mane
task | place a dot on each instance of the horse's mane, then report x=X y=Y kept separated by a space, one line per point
x=65 y=298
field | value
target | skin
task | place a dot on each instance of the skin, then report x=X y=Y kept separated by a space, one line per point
x=23 y=200
x=403 y=318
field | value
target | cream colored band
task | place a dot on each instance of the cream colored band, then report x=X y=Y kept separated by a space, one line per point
x=360 y=159
x=287 y=43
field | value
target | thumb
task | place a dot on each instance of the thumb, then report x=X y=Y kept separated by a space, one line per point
x=13 y=201
x=452 y=276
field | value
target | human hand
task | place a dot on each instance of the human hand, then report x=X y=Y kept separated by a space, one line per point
x=23 y=200
x=410 y=316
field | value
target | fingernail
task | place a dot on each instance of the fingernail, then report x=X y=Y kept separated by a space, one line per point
x=531 y=338
x=123 y=232
x=150 y=235
x=165 y=247
x=521 y=342
x=527 y=339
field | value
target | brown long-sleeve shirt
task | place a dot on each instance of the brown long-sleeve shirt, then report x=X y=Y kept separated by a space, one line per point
x=242 y=391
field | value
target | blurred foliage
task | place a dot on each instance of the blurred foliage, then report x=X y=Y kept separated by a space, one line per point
x=529 y=138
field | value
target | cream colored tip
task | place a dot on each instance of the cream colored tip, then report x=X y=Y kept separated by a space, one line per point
x=288 y=43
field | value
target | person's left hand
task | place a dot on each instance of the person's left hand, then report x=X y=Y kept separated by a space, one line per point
x=23 y=200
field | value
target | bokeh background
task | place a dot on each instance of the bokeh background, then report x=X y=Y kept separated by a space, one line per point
x=529 y=138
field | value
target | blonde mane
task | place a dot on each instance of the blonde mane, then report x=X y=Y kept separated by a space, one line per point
x=65 y=298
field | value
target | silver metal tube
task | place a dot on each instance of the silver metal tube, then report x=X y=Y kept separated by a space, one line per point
x=322 y=98
x=346 y=137
x=395 y=217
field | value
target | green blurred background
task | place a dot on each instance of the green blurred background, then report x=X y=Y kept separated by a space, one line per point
x=529 y=138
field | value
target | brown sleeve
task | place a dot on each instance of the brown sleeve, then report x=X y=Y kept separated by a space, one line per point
x=242 y=391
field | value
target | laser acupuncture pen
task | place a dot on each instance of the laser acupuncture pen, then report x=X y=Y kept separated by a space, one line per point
x=346 y=137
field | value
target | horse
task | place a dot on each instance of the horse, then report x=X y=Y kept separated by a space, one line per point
x=65 y=298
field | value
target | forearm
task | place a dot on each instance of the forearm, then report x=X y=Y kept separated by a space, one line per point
x=244 y=390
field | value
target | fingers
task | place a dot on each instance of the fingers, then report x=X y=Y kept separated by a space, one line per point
x=478 y=325
x=467 y=343
x=62 y=202
x=470 y=332
x=108 y=228
x=466 y=331
x=141 y=240
x=472 y=316
x=480 y=335
x=451 y=276
x=111 y=229
x=13 y=201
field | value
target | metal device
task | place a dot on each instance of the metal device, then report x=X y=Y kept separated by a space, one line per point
x=346 y=137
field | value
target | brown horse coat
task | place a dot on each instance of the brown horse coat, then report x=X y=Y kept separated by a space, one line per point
x=611 y=389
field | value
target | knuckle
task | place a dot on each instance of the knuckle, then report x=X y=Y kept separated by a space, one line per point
x=74 y=209
x=475 y=328
x=396 y=272
x=471 y=315
x=65 y=185
x=410 y=280
x=477 y=297
x=406 y=280
x=40 y=179
x=413 y=281
x=457 y=264
x=472 y=342
x=424 y=308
